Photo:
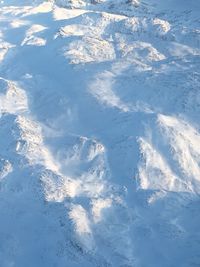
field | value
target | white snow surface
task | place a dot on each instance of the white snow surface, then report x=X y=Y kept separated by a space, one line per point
x=99 y=133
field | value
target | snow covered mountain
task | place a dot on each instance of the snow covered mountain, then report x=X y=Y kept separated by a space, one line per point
x=99 y=133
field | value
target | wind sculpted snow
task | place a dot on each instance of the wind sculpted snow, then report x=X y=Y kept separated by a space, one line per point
x=99 y=133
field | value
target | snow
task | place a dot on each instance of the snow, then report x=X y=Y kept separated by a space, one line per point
x=99 y=133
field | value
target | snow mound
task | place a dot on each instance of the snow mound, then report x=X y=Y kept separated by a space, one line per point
x=178 y=172
x=13 y=99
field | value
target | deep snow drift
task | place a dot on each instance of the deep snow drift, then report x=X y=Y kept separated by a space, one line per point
x=99 y=133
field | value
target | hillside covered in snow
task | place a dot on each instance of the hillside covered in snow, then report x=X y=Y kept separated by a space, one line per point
x=99 y=133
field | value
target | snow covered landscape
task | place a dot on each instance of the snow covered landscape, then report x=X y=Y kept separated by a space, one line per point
x=100 y=133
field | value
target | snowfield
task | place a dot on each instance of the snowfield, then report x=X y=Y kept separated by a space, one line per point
x=99 y=133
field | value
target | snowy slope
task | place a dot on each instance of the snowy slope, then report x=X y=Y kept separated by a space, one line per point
x=99 y=133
